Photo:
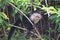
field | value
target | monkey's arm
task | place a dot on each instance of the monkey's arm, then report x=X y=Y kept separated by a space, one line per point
x=13 y=29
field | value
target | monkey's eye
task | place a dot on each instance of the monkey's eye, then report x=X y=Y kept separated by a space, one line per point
x=37 y=16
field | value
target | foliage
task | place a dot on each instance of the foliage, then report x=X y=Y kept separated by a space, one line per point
x=2 y=17
x=54 y=15
x=56 y=18
x=24 y=6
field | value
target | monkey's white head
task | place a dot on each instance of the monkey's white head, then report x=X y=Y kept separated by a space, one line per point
x=35 y=17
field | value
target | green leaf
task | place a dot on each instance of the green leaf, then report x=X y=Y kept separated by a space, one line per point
x=46 y=37
x=14 y=12
x=44 y=8
x=13 y=38
x=4 y=38
x=58 y=20
x=53 y=17
x=21 y=17
x=50 y=30
x=30 y=38
x=3 y=15
x=58 y=28
x=12 y=1
x=5 y=23
x=1 y=20
x=52 y=8
x=59 y=10
x=8 y=28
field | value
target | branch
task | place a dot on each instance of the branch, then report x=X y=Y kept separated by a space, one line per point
x=46 y=3
x=48 y=12
x=22 y=29
x=18 y=27
x=58 y=36
x=21 y=13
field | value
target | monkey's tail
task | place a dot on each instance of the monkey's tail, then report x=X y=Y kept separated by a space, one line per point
x=13 y=29
x=11 y=33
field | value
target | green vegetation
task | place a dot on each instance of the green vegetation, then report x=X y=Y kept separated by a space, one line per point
x=53 y=12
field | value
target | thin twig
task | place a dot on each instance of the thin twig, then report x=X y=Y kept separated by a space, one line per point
x=39 y=35
x=58 y=36
x=4 y=31
x=55 y=36
x=46 y=3
x=48 y=11
x=17 y=27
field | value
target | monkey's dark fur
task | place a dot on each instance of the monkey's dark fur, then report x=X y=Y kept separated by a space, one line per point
x=26 y=23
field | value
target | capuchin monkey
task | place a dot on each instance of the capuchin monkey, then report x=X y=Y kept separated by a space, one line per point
x=34 y=17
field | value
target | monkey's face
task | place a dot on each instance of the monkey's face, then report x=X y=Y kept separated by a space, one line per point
x=35 y=17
